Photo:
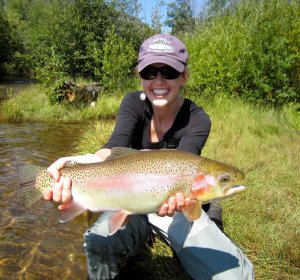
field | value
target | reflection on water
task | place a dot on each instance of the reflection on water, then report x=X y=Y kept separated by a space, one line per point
x=33 y=245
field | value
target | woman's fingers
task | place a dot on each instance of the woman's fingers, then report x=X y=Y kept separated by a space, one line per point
x=163 y=211
x=57 y=191
x=48 y=194
x=61 y=192
x=180 y=202
x=172 y=206
x=66 y=195
x=54 y=168
x=65 y=206
x=175 y=204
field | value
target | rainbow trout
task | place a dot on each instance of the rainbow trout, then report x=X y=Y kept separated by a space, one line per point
x=136 y=182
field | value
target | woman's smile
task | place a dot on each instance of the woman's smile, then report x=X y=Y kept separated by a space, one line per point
x=159 y=92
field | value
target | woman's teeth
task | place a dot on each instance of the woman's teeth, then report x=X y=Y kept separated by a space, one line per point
x=160 y=92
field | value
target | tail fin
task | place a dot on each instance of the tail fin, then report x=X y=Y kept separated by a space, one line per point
x=29 y=194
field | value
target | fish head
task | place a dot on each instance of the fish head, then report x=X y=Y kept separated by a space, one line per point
x=216 y=180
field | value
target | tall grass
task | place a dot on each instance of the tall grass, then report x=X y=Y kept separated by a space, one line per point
x=33 y=105
x=264 y=221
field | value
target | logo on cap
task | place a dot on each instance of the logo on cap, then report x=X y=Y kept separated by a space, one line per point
x=161 y=45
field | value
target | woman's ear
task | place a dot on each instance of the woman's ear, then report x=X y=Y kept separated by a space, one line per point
x=185 y=75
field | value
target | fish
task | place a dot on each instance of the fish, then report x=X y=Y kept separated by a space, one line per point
x=133 y=181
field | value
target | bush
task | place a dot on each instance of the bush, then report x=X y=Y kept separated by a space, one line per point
x=91 y=39
x=251 y=51
x=119 y=56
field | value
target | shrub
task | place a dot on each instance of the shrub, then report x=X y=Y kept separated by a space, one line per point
x=118 y=58
x=251 y=51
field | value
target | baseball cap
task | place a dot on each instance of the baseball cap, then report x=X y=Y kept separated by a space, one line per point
x=163 y=48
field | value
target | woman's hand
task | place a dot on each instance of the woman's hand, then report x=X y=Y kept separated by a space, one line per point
x=62 y=191
x=174 y=204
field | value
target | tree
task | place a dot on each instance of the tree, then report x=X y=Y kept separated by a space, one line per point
x=129 y=7
x=54 y=39
x=156 y=17
x=218 y=7
x=180 y=16
x=5 y=40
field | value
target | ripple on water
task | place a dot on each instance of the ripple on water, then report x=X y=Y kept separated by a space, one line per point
x=33 y=245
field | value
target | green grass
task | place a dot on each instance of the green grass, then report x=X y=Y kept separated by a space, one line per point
x=264 y=221
x=33 y=105
x=265 y=143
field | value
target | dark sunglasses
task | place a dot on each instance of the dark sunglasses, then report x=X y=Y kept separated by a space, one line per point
x=167 y=72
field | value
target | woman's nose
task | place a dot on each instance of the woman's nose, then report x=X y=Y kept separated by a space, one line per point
x=159 y=78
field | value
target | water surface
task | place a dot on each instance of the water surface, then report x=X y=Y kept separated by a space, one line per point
x=33 y=245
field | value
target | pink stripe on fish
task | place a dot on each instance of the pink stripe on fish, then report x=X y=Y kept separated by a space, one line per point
x=134 y=182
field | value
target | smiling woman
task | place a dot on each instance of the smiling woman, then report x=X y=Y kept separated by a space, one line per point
x=155 y=118
x=161 y=84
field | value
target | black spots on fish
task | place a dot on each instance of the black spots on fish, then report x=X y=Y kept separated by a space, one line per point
x=43 y=181
x=178 y=189
x=158 y=191
x=152 y=191
x=29 y=195
x=79 y=173
x=29 y=173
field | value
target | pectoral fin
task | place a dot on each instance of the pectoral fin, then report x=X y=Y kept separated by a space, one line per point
x=193 y=212
x=73 y=211
x=116 y=221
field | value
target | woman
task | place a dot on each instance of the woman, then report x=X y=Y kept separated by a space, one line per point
x=158 y=117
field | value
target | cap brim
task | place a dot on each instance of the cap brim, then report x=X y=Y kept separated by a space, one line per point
x=174 y=63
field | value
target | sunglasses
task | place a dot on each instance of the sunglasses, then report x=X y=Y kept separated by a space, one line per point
x=167 y=72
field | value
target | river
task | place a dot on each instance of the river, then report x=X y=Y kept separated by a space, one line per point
x=33 y=245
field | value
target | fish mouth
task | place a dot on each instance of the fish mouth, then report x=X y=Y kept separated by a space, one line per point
x=235 y=189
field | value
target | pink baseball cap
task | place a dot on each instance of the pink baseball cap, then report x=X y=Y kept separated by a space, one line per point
x=163 y=48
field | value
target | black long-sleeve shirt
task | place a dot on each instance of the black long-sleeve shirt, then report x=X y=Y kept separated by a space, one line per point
x=189 y=131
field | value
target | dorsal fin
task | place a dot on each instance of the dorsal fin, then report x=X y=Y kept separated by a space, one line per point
x=118 y=152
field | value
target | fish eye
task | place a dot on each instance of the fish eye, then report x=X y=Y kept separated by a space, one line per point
x=224 y=178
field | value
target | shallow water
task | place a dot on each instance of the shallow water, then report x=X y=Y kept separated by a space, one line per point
x=33 y=245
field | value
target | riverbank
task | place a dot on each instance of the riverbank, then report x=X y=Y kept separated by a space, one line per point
x=33 y=105
x=263 y=142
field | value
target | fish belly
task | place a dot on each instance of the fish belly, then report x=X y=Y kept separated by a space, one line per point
x=134 y=193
